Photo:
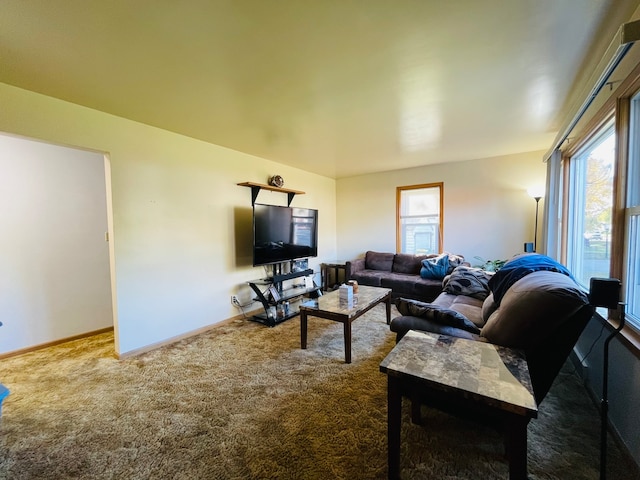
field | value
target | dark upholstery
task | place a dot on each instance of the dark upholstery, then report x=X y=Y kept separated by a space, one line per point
x=379 y=261
x=544 y=312
x=405 y=263
x=400 y=272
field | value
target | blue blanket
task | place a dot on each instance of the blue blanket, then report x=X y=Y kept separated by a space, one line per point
x=519 y=267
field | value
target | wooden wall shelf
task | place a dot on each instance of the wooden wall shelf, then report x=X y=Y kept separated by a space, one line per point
x=256 y=187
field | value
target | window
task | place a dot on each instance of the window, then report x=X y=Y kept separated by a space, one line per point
x=590 y=208
x=419 y=219
x=632 y=219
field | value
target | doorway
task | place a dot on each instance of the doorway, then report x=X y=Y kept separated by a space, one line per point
x=54 y=247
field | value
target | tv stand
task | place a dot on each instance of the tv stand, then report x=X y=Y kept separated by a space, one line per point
x=274 y=305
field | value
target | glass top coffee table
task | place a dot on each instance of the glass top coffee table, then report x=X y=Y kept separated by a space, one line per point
x=330 y=307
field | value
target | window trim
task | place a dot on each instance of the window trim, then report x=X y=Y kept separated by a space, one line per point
x=617 y=105
x=399 y=190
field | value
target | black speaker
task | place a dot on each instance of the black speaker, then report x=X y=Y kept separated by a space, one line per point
x=604 y=292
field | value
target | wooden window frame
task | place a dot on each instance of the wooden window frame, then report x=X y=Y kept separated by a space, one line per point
x=399 y=190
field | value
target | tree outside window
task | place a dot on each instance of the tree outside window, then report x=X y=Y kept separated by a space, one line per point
x=590 y=225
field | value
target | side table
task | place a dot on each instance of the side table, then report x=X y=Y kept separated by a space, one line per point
x=463 y=376
x=335 y=267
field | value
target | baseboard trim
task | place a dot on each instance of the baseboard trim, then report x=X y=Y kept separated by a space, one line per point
x=22 y=351
x=177 y=338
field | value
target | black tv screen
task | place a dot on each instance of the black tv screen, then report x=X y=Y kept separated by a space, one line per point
x=283 y=233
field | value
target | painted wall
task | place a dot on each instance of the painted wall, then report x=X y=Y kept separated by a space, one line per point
x=54 y=258
x=487 y=211
x=181 y=225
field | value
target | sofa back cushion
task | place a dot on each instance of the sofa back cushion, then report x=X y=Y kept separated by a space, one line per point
x=378 y=261
x=533 y=308
x=407 y=263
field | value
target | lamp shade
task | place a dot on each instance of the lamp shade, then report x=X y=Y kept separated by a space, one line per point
x=536 y=192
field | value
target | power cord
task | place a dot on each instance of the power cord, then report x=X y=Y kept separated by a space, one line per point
x=236 y=303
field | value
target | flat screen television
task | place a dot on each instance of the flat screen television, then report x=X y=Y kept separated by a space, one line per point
x=283 y=233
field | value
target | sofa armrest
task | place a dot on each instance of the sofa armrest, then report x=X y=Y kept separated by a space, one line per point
x=354 y=266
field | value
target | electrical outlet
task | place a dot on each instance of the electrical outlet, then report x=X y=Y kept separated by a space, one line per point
x=234 y=300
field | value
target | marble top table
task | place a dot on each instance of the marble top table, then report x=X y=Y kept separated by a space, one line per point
x=330 y=306
x=457 y=374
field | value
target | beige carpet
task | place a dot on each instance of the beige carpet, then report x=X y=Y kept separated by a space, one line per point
x=243 y=401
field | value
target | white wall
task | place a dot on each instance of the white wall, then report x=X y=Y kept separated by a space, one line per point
x=54 y=259
x=179 y=219
x=487 y=211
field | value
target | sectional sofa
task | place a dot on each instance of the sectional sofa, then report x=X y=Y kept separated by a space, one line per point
x=400 y=272
x=532 y=304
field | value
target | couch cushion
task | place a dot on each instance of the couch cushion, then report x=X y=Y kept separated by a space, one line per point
x=407 y=263
x=468 y=306
x=488 y=307
x=371 y=278
x=435 y=313
x=399 y=282
x=533 y=308
x=378 y=261
x=427 y=289
x=468 y=281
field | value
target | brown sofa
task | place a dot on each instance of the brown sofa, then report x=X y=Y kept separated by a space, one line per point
x=541 y=312
x=398 y=271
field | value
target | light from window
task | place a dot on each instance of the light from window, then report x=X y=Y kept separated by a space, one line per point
x=632 y=220
x=589 y=239
x=419 y=219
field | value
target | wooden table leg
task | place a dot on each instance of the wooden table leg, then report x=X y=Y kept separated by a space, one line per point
x=347 y=341
x=303 y=329
x=394 y=410
x=517 y=448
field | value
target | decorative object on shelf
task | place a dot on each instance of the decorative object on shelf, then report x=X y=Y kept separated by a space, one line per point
x=276 y=181
x=256 y=187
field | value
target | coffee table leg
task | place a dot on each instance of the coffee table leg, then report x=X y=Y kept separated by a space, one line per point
x=303 y=329
x=394 y=409
x=347 y=341
x=388 y=305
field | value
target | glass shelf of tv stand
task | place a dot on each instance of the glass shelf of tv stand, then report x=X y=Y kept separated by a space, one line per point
x=293 y=292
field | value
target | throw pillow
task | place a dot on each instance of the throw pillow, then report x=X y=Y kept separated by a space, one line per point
x=435 y=268
x=469 y=281
x=435 y=313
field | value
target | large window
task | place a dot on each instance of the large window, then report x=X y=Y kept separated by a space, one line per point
x=419 y=219
x=591 y=203
x=632 y=218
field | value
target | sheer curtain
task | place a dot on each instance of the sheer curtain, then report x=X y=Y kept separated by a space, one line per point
x=550 y=244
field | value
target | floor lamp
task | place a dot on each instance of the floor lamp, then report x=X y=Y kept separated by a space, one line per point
x=605 y=292
x=537 y=194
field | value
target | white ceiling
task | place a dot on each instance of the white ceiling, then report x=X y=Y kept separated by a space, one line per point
x=337 y=87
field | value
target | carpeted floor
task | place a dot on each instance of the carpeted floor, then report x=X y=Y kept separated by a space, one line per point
x=243 y=401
